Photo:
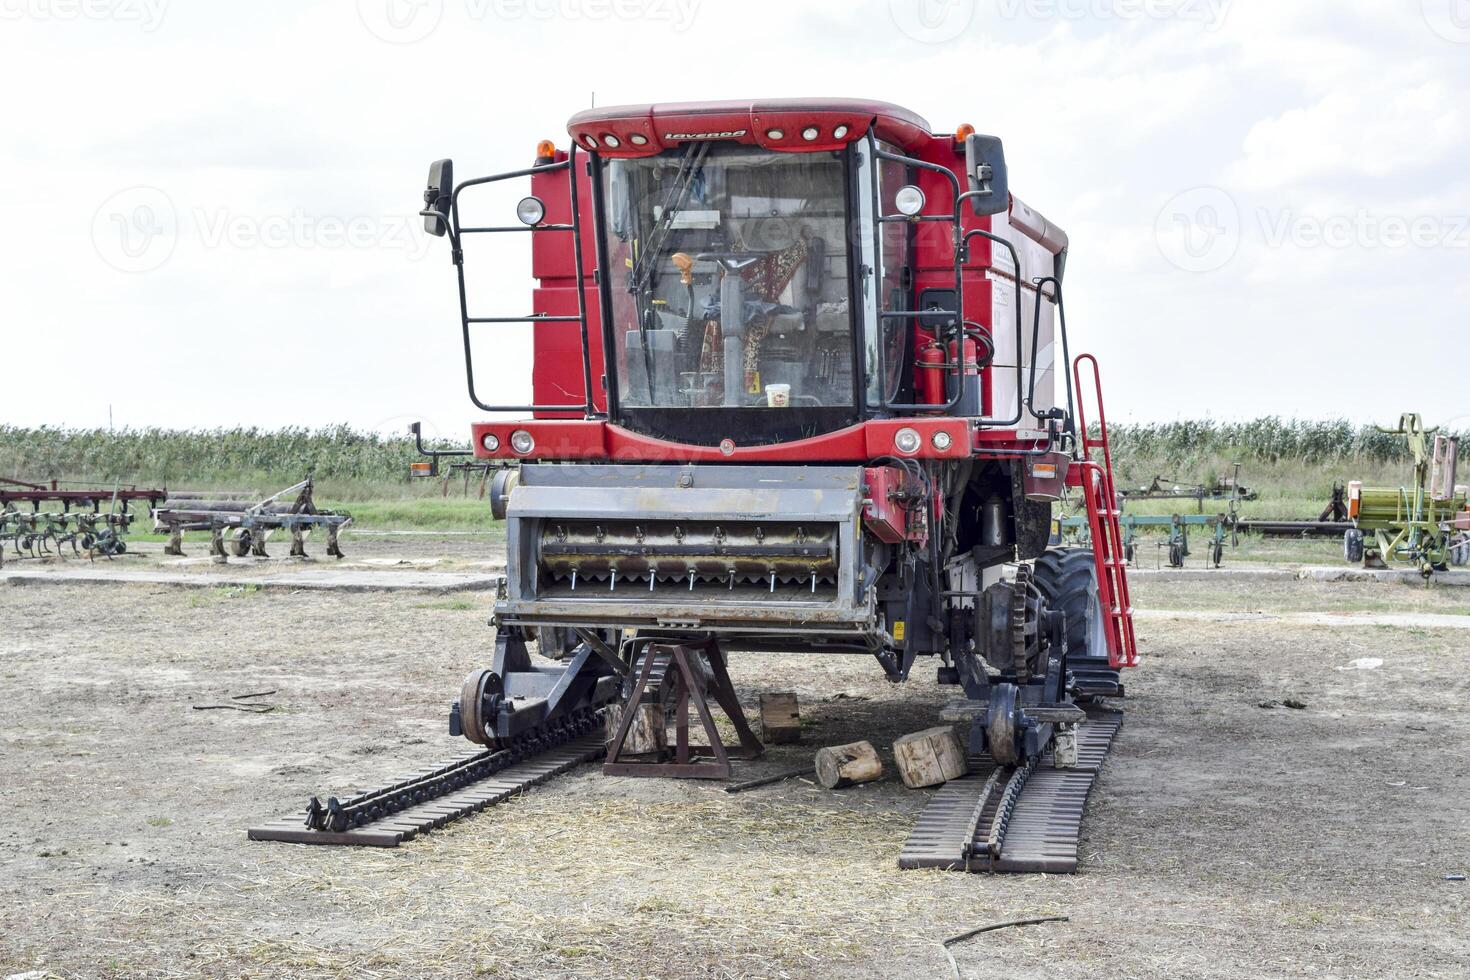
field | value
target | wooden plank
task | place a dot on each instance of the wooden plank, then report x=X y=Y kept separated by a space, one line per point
x=780 y=717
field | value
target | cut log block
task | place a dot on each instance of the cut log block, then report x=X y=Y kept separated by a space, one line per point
x=929 y=758
x=847 y=765
x=649 y=733
x=780 y=718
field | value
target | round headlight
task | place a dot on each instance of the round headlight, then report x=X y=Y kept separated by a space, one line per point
x=941 y=440
x=909 y=200
x=810 y=133
x=531 y=211
x=521 y=441
x=638 y=139
x=839 y=132
x=611 y=141
x=775 y=134
x=589 y=141
x=491 y=442
x=907 y=441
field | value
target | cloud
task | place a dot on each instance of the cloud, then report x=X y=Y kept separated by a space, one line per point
x=1377 y=125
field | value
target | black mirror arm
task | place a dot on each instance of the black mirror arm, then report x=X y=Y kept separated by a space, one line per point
x=415 y=429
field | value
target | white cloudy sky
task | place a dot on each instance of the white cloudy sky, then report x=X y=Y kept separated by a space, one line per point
x=1269 y=203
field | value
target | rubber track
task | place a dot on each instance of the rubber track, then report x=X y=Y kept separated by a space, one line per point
x=390 y=831
x=1043 y=832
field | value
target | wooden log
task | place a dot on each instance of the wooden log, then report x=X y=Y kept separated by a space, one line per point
x=929 y=758
x=847 y=765
x=648 y=734
x=780 y=718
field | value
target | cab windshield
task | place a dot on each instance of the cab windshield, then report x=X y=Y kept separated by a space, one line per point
x=729 y=288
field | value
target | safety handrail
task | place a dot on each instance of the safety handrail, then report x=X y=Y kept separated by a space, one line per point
x=456 y=231
x=955 y=370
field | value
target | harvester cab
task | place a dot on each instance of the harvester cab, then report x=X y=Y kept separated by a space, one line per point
x=801 y=382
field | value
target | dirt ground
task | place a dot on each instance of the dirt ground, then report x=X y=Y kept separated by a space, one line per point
x=1225 y=839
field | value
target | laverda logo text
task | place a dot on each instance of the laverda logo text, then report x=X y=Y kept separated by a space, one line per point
x=732 y=134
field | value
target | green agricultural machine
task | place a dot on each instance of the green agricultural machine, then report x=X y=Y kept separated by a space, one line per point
x=1424 y=526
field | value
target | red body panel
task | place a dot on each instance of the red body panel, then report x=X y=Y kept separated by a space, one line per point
x=556 y=371
x=882 y=515
x=577 y=439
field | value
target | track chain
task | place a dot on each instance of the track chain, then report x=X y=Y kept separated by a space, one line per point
x=340 y=815
x=1002 y=820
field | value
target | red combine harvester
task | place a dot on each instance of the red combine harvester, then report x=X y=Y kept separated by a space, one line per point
x=801 y=383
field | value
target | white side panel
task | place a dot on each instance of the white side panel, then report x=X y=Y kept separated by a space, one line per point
x=1003 y=374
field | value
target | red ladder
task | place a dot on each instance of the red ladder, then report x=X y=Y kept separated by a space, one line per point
x=1096 y=483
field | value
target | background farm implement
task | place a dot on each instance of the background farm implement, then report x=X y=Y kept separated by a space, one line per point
x=1422 y=525
x=1175 y=528
x=63 y=514
x=239 y=523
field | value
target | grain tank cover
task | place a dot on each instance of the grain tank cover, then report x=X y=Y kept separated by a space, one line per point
x=790 y=125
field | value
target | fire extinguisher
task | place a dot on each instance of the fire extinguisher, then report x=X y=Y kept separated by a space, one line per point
x=969 y=375
x=930 y=376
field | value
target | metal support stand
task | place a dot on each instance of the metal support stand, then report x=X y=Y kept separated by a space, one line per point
x=689 y=687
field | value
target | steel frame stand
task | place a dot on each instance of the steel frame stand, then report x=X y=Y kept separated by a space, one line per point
x=689 y=688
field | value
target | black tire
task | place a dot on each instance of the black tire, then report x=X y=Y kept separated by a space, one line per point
x=1352 y=545
x=1068 y=579
x=1176 y=555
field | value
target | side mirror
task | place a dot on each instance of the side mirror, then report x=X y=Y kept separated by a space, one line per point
x=437 y=197
x=985 y=162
